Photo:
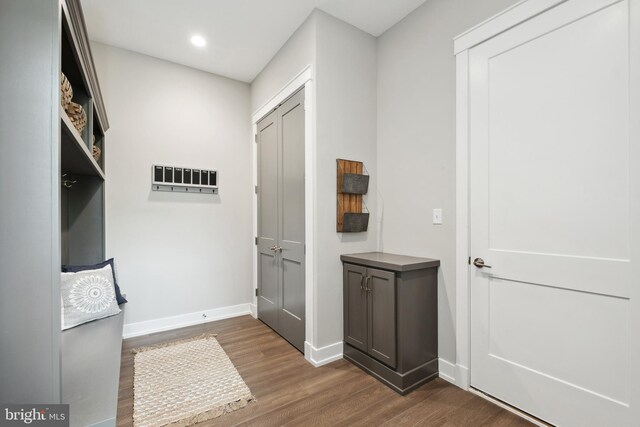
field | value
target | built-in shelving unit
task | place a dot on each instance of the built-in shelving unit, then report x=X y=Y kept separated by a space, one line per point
x=89 y=354
x=82 y=176
x=75 y=155
x=59 y=219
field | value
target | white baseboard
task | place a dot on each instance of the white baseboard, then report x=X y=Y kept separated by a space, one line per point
x=323 y=355
x=447 y=371
x=254 y=310
x=180 y=321
x=457 y=375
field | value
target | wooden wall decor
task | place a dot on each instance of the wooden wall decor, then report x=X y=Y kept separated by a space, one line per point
x=349 y=203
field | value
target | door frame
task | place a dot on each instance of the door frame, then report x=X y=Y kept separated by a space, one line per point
x=516 y=14
x=304 y=79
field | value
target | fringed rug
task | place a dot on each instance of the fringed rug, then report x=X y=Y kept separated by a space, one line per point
x=185 y=382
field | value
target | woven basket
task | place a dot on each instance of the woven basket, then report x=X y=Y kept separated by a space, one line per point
x=97 y=152
x=66 y=91
x=77 y=115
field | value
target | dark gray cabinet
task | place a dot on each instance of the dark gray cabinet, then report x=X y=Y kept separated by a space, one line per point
x=355 y=307
x=391 y=317
x=370 y=312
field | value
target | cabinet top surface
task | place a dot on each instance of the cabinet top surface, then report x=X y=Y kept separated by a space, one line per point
x=390 y=261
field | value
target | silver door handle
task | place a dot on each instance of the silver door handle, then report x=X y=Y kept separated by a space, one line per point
x=479 y=262
x=276 y=248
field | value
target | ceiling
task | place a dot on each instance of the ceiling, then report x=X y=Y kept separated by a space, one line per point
x=242 y=35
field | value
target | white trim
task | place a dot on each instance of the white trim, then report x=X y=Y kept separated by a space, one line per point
x=508 y=18
x=321 y=356
x=447 y=371
x=254 y=310
x=182 y=320
x=500 y=23
x=634 y=158
x=463 y=377
x=303 y=79
x=508 y=408
x=254 y=202
x=287 y=90
x=310 y=224
x=456 y=374
x=463 y=348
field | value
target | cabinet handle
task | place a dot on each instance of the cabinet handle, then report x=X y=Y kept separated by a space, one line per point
x=362 y=283
x=368 y=284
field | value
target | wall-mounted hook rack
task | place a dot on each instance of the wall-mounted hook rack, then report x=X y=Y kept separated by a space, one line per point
x=184 y=180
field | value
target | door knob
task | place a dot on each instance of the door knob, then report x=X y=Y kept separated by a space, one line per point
x=273 y=248
x=479 y=262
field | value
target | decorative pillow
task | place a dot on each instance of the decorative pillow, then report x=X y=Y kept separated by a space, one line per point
x=87 y=295
x=76 y=268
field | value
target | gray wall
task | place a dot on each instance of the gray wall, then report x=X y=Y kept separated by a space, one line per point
x=298 y=52
x=389 y=103
x=416 y=138
x=176 y=253
x=344 y=60
x=29 y=213
x=346 y=129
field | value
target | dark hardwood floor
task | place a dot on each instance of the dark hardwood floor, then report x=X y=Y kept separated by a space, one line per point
x=289 y=391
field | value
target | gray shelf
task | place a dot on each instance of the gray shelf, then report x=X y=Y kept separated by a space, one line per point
x=391 y=262
x=75 y=155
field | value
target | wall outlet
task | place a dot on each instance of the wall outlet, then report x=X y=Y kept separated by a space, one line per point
x=437 y=216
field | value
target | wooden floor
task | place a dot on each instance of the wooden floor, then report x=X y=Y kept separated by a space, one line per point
x=289 y=391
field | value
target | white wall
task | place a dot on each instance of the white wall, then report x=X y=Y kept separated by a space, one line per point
x=416 y=139
x=176 y=253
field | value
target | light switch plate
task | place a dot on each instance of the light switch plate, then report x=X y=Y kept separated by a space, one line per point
x=437 y=216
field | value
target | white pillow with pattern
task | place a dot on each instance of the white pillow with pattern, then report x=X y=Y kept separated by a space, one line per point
x=87 y=295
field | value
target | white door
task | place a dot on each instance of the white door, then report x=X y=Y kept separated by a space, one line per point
x=554 y=203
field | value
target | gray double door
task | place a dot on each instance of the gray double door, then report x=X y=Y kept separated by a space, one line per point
x=281 y=225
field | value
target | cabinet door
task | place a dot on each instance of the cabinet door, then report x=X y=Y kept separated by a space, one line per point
x=382 y=316
x=355 y=306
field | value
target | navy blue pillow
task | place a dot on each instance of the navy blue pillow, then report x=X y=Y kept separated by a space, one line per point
x=76 y=268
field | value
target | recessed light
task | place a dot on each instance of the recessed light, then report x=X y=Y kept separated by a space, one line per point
x=198 y=41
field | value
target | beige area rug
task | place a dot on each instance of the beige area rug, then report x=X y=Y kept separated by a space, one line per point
x=185 y=382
